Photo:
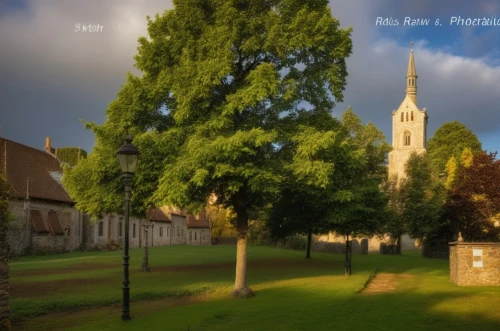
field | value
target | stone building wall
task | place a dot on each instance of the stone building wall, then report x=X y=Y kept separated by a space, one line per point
x=112 y=231
x=475 y=264
x=162 y=234
x=179 y=228
x=23 y=238
x=198 y=236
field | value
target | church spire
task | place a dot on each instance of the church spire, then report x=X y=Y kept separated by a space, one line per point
x=411 y=77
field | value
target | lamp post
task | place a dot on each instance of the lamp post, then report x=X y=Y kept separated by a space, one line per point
x=145 y=259
x=128 y=155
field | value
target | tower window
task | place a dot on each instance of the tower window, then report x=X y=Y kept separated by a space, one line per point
x=412 y=116
x=402 y=117
x=407 y=138
x=406 y=116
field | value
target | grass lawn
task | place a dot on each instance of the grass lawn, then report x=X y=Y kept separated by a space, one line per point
x=188 y=288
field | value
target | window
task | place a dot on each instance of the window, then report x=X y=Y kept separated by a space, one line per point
x=406 y=116
x=119 y=229
x=54 y=225
x=161 y=231
x=402 y=117
x=407 y=138
x=68 y=230
x=412 y=116
x=203 y=234
x=101 y=229
x=195 y=235
x=168 y=232
x=133 y=230
x=178 y=233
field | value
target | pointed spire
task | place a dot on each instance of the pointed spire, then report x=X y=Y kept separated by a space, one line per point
x=411 y=77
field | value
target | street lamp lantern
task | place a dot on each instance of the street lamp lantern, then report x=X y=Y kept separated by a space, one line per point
x=128 y=155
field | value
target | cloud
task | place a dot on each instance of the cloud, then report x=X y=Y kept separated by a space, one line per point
x=57 y=76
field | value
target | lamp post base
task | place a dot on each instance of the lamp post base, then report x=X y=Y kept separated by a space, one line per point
x=145 y=260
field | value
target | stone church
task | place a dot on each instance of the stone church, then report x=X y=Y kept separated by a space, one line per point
x=409 y=126
x=409 y=134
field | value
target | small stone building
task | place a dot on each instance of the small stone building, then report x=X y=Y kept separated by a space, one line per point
x=475 y=263
x=163 y=226
x=44 y=215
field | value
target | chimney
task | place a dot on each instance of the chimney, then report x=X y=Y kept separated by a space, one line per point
x=48 y=147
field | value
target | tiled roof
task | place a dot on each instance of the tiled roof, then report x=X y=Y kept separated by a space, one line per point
x=200 y=222
x=157 y=215
x=24 y=164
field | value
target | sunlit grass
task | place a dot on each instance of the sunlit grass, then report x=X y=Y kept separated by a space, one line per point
x=189 y=286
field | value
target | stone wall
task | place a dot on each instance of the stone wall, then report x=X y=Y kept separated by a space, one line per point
x=358 y=247
x=372 y=242
x=113 y=232
x=23 y=238
x=435 y=249
x=198 y=236
x=475 y=264
x=179 y=229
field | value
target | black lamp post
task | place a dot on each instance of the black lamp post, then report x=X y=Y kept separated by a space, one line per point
x=145 y=259
x=128 y=155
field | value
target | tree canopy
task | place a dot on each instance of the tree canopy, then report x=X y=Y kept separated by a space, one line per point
x=473 y=204
x=226 y=101
x=449 y=141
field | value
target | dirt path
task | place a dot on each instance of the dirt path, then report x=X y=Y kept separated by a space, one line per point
x=384 y=282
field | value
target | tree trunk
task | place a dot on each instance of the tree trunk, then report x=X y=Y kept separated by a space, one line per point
x=4 y=280
x=241 y=290
x=308 y=247
x=346 y=264
x=350 y=258
x=398 y=245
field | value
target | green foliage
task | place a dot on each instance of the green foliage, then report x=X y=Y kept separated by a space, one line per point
x=423 y=197
x=450 y=140
x=222 y=87
x=473 y=203
x=70 y=155
x=5 y=216
x=351 y=202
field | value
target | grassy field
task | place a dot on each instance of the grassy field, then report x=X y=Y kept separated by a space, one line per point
x=188 y=287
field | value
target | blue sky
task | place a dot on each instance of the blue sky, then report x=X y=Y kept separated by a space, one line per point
x=53 y=76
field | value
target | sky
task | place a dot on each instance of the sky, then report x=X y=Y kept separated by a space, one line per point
x=53 y=75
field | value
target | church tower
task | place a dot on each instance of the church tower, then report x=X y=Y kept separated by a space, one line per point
x=409 y=126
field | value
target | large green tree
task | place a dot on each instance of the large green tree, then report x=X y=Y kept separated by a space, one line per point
x=216 y=109
x=423 y=197
x=449 y=141
x=473 y=204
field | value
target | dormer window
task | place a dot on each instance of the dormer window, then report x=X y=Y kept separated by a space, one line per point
x=407 y=138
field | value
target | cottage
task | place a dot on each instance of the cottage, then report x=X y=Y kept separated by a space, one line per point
x=44 y=215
